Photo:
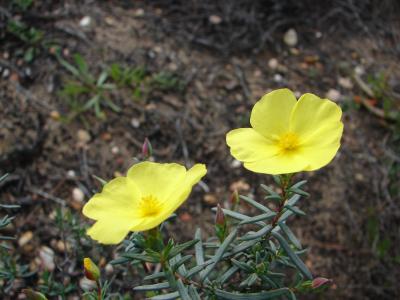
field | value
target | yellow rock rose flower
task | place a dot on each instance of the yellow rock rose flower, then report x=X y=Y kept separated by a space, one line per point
x=287 y=135
x=143 y=199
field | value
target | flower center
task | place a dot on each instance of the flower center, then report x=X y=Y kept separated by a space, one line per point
x=288 y=142
x=149 y=206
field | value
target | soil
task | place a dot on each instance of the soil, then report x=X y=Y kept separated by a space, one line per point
x=48 y=158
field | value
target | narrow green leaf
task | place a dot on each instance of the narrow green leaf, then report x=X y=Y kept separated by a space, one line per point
x=197 y=269
x=102 y=78
x=251 y=236
x=194 y=295
x=152 y=287
x=242 y=265
x=198 y=248
x=180 y=261
x=99 y=179
x=298 y=184
x=155 y=276
x=299 y=192
x=293 y=256
x=253 y=296
x=263 y=217
x=289 y=233
x=296 y=210
x=182 y=290
x=9 y=205
x=255 y=204
x=269 y=190
x=228 y=274
x=249 y=281
x=241 y=247
x=3 y=177
x=142 y=257
x=237 y=216
x=179 y=248
x=218 y=254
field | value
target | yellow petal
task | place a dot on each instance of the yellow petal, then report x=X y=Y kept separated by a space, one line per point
x=110 y=230
x=181 y=191
x=312 y=114
x=117 y=200
x=270 y=116
x=322 y=146
x=248 y=145
x=156 y=179
x=278 y=164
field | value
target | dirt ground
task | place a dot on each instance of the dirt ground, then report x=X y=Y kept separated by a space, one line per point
x=353 y=215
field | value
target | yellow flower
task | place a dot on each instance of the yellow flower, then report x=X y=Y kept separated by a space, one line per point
x=287 y=135
x=143 y=199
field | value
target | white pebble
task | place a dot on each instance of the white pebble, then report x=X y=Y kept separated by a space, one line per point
x=78 y=195
x=85 y=21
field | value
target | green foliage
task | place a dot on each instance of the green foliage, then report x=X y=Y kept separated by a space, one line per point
x=52 y=287
x=10 y=268
x=260 y=258
x=86 y=91
x=165 y=81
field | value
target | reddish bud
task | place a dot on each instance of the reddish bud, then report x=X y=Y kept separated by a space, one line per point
x=220 y=216
x=320 y=281
x=235 y=198
x=90 y=269
x=147 y=149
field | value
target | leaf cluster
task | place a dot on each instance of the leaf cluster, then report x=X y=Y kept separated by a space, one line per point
x=259 y=257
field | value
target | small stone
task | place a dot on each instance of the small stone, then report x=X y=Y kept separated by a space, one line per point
x=114 y=150
x=109 y=269
x=318 y=34
x=6 y=55
x=83 y=136
x=62 y=247
x=235 y=164
x=25 y=238
x=273 y=63
x=78 y=195
x=71 y=174
x=85 y=21
x=210 y=199
x=345 y=82
x=215 y=19
x=359 y=177
x=55 y=115
x=333 y=95
x=290 y=37
x=278 y=78
x=46 y=256
x=6 y=73
x=139 y=12
x=135 y=123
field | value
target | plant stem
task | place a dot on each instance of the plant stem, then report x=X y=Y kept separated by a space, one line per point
x=99 y=292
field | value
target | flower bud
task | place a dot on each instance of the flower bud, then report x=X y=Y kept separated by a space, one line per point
x=147 y=149
x=320 y=281
x=220 y=216
x=221 y=229
x=33 y=295
x=91 y=271
x=235 y=198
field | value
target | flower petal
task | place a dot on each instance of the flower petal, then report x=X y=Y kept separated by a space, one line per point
x=182 y=190
x=312 y=114
x=270 y=116
x=117 y=200
x=248 y=145
x=156 y=179
x=110 y=230
x=321 y=148
x=278 y=164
